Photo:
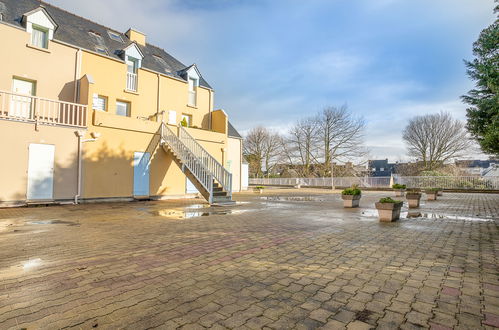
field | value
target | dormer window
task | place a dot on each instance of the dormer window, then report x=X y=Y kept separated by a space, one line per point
x=39 y=36
x=133 y=59
x=41 y=27
x=192 y=75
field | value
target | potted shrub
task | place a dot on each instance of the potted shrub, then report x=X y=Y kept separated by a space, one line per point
x=258 y=189
x=399 y=189
x=388 y=209
x=413 y=198
x=431 y=194
x=351 y=197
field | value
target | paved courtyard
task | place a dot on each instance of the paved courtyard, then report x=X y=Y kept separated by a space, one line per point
x=285 y=259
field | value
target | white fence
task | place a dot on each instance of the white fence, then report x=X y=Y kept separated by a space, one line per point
x=324 y=182
x=450 y=182
x=446 y=182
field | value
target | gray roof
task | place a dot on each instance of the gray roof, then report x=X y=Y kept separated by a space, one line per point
x=233 y=132
x=75 y=30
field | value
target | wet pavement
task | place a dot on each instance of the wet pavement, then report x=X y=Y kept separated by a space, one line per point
x=290 y=258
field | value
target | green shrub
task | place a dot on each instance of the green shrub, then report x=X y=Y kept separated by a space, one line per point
x=399 y=186
x=183 y=122
x=388 y=200
x=433 y=189
x=259 y=187
x=351 y=191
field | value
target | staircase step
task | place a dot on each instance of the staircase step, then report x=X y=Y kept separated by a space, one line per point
x=219 y=193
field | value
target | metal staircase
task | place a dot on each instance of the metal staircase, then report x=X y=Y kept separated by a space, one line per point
x=212 y=180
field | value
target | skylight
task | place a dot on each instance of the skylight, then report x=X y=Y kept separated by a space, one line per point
x=115 y=36
x=101 y=50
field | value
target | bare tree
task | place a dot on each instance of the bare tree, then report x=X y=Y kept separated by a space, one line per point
x=341 y=135
x=302 y=144
x=263 y=150
x=435 y=139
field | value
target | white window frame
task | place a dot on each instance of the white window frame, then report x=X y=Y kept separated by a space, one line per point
x=97 y=101
x=188 y=119
x=128 y=108
x=193 y=93
x=43 y=30
x=38 y=19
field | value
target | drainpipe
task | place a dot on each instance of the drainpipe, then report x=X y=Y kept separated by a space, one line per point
x=210 y=110
x=77 y=74
x=79 y=134
x=158 y=99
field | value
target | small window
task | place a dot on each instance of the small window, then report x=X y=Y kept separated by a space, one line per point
x=172 y=117
x=39 y=37
x=100 y=102
x=96 y=35
x=382 y=169
x=187 y=119
x=101 y=50
x=192 y=92
x=159 y=59
x=115 y=36
x=123 y=108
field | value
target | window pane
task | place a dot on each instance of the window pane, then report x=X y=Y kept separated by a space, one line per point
x=122 y=108
x=39 y=38
x=99 y=103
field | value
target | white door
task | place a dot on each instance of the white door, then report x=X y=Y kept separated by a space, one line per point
x=190 y=188
x=141 y=173
x=40 y=171
x=20 y=106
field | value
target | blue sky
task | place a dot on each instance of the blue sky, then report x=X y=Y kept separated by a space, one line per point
x=274 y=61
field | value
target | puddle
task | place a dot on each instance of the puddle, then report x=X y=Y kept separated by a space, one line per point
x=187 y=214
x=27 y=265
x=293 y=198
x=426 y=215
x=52 y=222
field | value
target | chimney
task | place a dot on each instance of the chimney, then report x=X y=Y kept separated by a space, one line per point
x=136 y=36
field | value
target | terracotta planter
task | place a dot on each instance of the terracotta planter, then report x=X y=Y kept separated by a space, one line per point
x=399 y=192
x=351 y=200
x=431 y=195
x=413 y=199
x=388 y=212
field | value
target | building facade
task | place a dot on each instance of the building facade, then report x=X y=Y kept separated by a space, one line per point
x=89 y=113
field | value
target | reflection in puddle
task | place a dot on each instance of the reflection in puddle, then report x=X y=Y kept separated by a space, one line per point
x=52 y=222
x=187 y=214
x=293 y=198
x=31 y=263
x=426 y=215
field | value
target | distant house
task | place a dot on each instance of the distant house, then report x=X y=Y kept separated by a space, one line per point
x=477 y=166
x=381 y=167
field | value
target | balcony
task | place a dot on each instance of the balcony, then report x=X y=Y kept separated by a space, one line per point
x=131 y=81
x=20 y=107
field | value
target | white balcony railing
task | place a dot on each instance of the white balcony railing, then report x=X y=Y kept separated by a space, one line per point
x=28 y=108
x=131 y=81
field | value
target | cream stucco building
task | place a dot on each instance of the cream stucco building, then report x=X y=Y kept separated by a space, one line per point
x=89 y=113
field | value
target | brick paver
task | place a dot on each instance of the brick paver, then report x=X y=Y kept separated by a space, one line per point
x=285 y=259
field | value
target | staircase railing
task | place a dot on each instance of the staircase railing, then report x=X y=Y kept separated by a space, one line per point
x=188 y=159
x=219 y=172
